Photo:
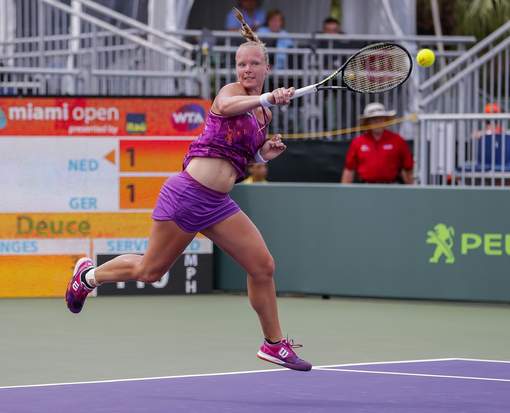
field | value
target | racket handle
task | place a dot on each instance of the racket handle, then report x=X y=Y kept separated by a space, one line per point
x=304 y=91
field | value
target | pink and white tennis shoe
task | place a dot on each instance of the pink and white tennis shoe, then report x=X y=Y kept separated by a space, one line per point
x=77 y=291
x=283 y=354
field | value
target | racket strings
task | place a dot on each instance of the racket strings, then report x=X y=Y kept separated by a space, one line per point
x=377 y=68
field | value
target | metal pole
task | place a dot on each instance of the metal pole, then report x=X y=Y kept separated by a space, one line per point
x=422 y=125
x=74 y=45
x=439 y=32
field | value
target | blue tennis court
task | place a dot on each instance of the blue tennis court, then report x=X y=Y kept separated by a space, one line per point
x=439 y=385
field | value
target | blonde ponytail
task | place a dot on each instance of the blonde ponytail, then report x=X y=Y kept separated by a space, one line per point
x=246 y=31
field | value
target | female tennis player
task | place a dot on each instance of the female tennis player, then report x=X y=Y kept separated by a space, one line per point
x=197 y=200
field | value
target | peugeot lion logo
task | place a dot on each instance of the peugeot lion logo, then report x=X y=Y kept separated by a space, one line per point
x=442 y=237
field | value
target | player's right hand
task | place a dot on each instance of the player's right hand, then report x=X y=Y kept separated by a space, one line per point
x=281 y=96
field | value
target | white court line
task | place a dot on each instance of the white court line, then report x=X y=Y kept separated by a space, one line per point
x=217 y=374
x=486 y=361
x=140 y=379
x=387 y=362
x=394 y=373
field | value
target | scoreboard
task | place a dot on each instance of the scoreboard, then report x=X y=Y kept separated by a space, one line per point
x=80 y=176
x=85 y=174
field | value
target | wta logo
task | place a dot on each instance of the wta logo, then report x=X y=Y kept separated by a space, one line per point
x=3 y=119
x=188 y=117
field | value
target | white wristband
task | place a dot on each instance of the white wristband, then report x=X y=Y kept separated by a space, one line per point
x=259 y=158
x=264 y=100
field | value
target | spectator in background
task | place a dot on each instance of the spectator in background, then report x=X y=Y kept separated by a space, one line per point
x=491 y=126
x=330 y=25
x=257 y=173
x=275 y=22
x=254 y=15
x=378 y=156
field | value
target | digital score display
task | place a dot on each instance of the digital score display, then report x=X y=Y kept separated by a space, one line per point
x=78 y=172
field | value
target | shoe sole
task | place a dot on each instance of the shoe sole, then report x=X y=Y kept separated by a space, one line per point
x=266 y=357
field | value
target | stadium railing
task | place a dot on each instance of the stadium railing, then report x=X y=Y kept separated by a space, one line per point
x=477 y=77
x=459 y=144
x=82 y=43
x=469 y=149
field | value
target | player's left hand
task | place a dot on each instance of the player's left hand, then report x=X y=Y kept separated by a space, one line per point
x=272 y=147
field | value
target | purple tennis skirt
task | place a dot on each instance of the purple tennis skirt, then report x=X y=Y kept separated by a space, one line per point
x=191 y=205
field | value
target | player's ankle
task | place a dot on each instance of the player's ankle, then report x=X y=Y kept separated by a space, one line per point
x=89 y=278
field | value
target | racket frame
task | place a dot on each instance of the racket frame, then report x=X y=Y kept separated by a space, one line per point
x=318 y=86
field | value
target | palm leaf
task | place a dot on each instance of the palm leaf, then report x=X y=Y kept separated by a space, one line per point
x=481 y=17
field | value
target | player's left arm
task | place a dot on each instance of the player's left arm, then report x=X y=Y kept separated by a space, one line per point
x=272 y=147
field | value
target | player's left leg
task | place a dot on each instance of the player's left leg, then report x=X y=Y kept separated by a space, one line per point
x=240 y=238
x=166 y=243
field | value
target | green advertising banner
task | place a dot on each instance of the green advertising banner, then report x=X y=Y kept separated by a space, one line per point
x=380 y=241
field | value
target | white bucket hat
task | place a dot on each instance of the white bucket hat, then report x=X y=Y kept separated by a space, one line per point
x=377 y=110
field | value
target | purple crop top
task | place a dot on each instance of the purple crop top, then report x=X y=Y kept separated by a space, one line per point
x=234 y=138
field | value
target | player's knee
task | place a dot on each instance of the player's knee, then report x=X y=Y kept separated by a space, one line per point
x=151 y=275
x=264 y=269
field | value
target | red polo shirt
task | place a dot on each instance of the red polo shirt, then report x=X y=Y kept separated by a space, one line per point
x=379 y=161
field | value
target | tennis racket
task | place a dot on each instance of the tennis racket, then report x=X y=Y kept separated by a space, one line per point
x=376 y=68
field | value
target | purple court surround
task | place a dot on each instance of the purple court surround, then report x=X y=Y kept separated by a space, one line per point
x=414 y=386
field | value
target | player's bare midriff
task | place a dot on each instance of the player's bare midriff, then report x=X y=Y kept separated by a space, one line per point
x=214 y=173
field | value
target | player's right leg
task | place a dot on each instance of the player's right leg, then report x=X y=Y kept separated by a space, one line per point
x=166 y=243
x=240 y=238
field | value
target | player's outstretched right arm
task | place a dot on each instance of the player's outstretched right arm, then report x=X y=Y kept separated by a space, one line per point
x=232 y=99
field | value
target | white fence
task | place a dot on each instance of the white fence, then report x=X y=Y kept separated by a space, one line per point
x=463 y=149
x=478 y=77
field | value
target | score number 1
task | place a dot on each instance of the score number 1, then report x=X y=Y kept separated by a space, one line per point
x=139 y=192
x=131 y=152
x=131 y=191
x=131 y=187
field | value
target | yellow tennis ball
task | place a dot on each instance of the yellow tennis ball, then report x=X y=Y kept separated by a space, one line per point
x=425 y=57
